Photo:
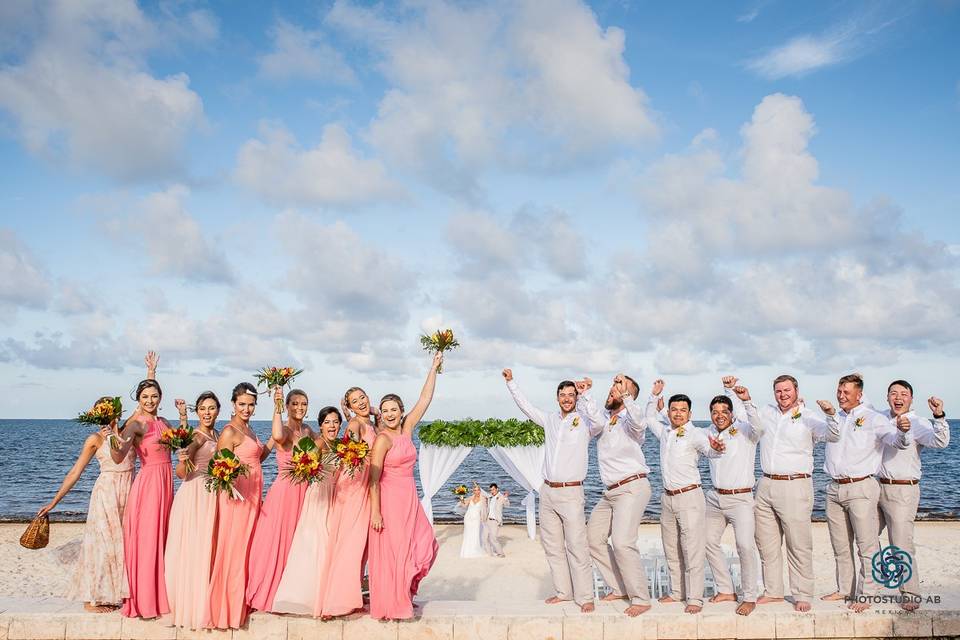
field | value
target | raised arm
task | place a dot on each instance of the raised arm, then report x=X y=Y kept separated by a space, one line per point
x=125 y=437
x=152 y=359
x=277 y=432
x=753 y=426
x=537 y=415
x=380 y=447
x=411 y=420
x=823 y=430
x=587 y=407
x=652 y=411
x=938 y=435
x=729 y=386
x=89 y=449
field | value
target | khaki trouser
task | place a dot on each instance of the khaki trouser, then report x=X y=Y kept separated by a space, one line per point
x=735 y=509
x=852 y=518
x=898 y=509
x=782 y=510
x=491 y=537
x=563 y=534
x=682 y=524
x=617 y=517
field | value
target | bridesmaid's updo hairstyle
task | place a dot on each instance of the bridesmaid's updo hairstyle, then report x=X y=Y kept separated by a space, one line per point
x=395 y=398
x=294 y=393
x=243 y=389
x=207 y=395
x=147 y=384
x=327 y=411
x=346 y=396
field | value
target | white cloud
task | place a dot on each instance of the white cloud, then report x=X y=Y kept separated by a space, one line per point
x=83 y=93
x=332 y=174
x=301 y=54
x=24 y=281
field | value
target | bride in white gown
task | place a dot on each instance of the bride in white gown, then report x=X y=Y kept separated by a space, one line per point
x=474 y=511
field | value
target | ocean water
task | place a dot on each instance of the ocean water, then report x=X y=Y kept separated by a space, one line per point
x=36 y=454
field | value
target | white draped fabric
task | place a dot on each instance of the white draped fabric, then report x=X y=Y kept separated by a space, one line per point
x=525 y=466
x=437 y=464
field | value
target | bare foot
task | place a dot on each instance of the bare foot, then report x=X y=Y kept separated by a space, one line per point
x=801 y=605
x=610 y=597
x=587 y=607
x=830 y=597
x=746 y=608
x=724 y=597
x=858 y=607
x=635 y=610
x=666 y=600
x=693 y=608
x=555 y=600
x=910 y=605
x=765 y=599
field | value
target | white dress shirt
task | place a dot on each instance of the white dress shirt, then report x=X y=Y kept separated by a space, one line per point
x=735 y=468
x=787 y=438
x=863 y=434
x=495 y=505
x=619 y=442
x=679 y=454
x=565 y=438
x=904 y=464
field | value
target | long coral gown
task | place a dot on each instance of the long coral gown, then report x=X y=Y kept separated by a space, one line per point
x=100 y=575
x=276 y=525
x=190 y=543
x=236 y=521
x=402 y=553
x=302 y=586
x=349 y=523
x=145 y=527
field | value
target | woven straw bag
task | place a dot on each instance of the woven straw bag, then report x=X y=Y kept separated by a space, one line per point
x=37 y=534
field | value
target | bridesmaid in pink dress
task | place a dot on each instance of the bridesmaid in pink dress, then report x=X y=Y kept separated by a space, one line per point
x=236 y=519
x=148 y=505
x=280 y=509
x=190 y=534
x=402 y=545
x=349 y=519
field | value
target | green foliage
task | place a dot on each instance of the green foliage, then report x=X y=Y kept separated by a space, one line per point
x=482 y=433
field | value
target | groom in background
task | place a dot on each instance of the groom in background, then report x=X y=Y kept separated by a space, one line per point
x=496 y=501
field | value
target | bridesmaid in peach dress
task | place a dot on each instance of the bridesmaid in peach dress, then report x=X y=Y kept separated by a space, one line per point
x=280 y=509
x=402 y=544
x=190 y=534
x=99 y=578
x=236 y=519
x=349 y=519
x=302 y=586
x=148 y=505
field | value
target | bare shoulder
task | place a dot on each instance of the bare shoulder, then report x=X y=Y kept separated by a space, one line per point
x=93 y=441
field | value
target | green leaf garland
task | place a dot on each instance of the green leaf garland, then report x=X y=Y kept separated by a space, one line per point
x=482 y=433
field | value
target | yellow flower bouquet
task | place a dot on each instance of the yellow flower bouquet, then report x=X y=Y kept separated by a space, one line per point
x=222 y=472
x=276 y=377
x=442 y=340
x=105 y=411
x=349 y=454
x=305 y=467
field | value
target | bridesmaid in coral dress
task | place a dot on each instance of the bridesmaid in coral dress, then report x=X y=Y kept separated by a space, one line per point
x=402 y=545
x=280 y=509
x=148 y=505
x=349 y=519
x=236 y=519
x=190 y=534
x=302 y=587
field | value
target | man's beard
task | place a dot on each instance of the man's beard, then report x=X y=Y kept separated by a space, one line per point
x=613 y=405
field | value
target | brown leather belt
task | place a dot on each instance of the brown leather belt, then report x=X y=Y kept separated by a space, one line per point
x=731 y=492
x=889 y=481
x=689 y=487
x=557 y=485
x=792 y=476
x=636 y=476
x=849 y=480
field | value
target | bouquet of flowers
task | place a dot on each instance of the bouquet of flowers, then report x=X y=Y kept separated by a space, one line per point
x=176 y=438
x=349 y=454
x=276 y=377
x=222 y=472
x=460 y=490
x=439 y=342
x=105 y=411
x=305 y=463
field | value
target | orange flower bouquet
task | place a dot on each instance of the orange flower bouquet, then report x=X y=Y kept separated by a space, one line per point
x=306 y=466
x=460 y=490
x=222 y=472
x=176 y=438
x=276 y=377
x=349 y=454
x=105 y=411
x=442 y=340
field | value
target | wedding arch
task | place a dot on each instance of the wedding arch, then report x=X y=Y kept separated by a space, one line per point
x=516 y=445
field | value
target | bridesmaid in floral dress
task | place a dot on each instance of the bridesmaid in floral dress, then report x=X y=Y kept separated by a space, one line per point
x=402 y=544
x=190 y=534
x=349 y=518
x=280 y=509
x=236 y=519
x=148 y=505
x=99 y=578
x=302 y=587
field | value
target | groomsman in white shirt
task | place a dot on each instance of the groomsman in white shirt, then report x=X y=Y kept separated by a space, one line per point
x=731 y=499
x=853 y=495
x=783 y=502
x=899 y=475
x=563 y=528
x=617 y=515
x=682 y=511
x=496 y=501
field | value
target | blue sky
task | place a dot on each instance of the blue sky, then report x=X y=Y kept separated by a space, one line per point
x=683 y=190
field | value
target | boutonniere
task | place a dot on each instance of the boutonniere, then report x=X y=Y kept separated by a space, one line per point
x=681 y=432
x=576 y=421
x=858 y=422
x=733 y=431
x=796 y=415
x=613 y=419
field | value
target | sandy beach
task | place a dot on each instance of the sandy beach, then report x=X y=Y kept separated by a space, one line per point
x=521 y=577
